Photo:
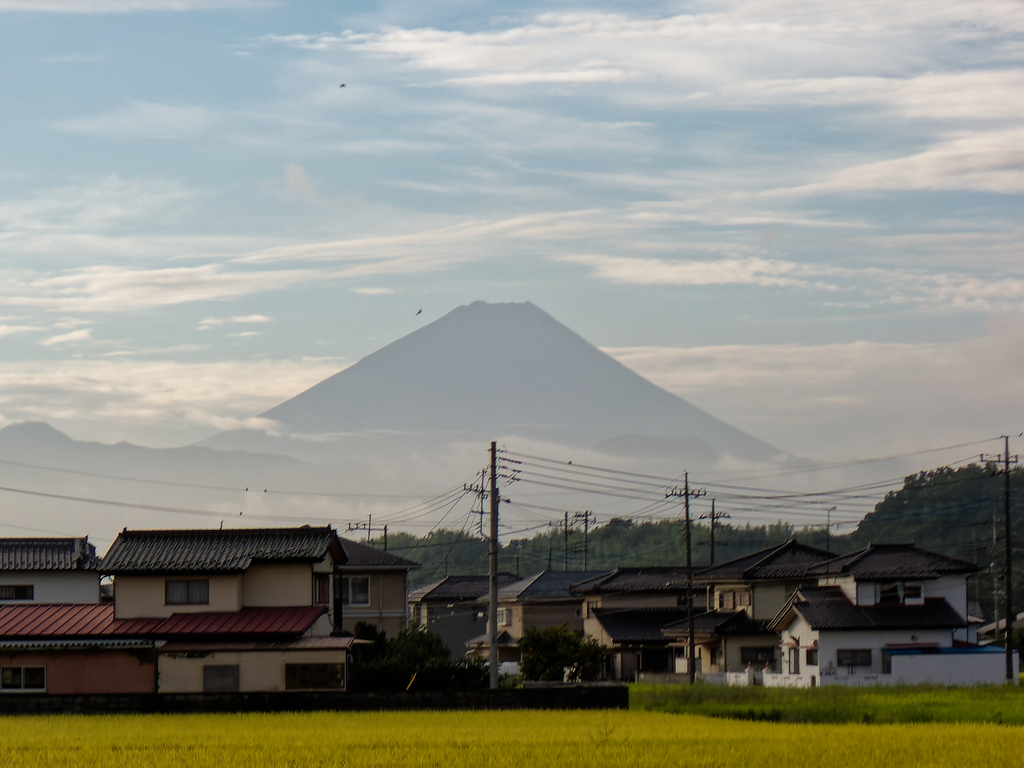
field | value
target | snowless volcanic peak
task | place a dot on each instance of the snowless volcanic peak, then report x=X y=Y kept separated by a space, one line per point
x=489 y=370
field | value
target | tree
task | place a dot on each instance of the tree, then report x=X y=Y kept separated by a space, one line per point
x=558 y=653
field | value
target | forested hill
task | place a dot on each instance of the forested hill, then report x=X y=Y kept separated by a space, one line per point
x=947 y=510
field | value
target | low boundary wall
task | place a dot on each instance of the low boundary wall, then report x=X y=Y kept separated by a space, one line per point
x=562 y=697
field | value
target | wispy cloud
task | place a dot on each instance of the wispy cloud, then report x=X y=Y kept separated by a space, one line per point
x=143 y=119
x=83 y=334
x=122 y=6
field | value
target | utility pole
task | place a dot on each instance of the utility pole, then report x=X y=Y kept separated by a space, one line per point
x=828 y=528
x=368 y=527
x=492 y=571
x=687 y=494
x=1008 y=549
x=588 y=518
x=1008 y=614
x=712 y=516
x=565 y=543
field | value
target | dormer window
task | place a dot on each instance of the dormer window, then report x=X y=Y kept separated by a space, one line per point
x=899 y=593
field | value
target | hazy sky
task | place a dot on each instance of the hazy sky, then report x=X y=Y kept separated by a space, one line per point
x=804 y=217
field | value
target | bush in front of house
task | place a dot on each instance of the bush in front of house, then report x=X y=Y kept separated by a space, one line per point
x=413 y=660
x=557 y=653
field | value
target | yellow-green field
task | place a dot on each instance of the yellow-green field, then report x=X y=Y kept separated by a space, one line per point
x=474 y=739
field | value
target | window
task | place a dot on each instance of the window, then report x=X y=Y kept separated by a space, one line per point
x=794 y=661
x=811 y=657
x=299 y=676
x=220 y=678
x=730 y=600
x=22 y=678
x=17 y=592
x=355 y=590
x=853 y=657
x=757 y=655
x=898 y=593
x=321 y=589
x=504 y=617
x=187 y=592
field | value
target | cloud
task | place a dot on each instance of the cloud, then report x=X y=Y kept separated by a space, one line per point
x=298 y=183
x=109 y=398
x=373 y=291
x=863 y=398
x=143 y=119
x=122 y=6
x=119 y=289
x=83 y=334
x=211 y=322
x=11 y=330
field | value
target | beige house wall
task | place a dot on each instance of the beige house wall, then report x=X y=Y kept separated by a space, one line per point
x=257 y=670
x=143 y=596
x=270 y=586
x=641 y=600
x=769 y=599
x=387 y=607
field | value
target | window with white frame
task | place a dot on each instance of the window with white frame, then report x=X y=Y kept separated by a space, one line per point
x=355 y=590
x=899 y=593
x=504 y=617
x=22 y=679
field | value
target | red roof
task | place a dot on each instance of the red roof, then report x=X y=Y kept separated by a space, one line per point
x=97 y=619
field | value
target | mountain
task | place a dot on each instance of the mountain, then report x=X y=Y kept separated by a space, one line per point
x=496 y=371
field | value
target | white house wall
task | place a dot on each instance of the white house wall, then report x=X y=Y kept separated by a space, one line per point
x=55 y=586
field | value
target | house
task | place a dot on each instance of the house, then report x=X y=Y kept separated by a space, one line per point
x=449 y=607
x=625 y=611
x=49 y=570
x=372 y=587
x=755 y=585
x=724 y=641
x=760 y=583
x=538 y=601
x=886 y=614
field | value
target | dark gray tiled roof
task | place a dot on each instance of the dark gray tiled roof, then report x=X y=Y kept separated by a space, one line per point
x=637 y=579
x=458 y=588
x=214 y=550
x=790 y=560
x=70 y=554
x=829 y=608
x=546 y=585
x=638 y=625
x=361 y=556
x=894 y=562
x=720 y=624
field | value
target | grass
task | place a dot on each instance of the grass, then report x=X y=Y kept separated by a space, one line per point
x=500 y=739
x=837 y=704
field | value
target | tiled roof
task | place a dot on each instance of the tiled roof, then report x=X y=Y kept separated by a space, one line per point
x=789 y=560
x=216 y=550
x=547 y=585
x=829 y=608
x=361 y=556
x=458 y=588
x=636 y=579
x=718 y=623
x=97 y=620
x=638 y=625
x=63 y=554
x=894 y=562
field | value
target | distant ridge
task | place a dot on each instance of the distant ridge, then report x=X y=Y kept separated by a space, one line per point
x=485 y=371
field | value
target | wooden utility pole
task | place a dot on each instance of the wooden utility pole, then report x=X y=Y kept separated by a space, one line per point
x=492 y=572
x=588 y=518
x=686 y=493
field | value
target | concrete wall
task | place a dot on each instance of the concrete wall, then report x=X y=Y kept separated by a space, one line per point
x=953 y=668
x=257 y=670
x=55 y=586
x=143 y=596
x=86 y=672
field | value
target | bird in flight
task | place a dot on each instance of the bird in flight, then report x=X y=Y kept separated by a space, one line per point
x=342 y=85
x=420 y=312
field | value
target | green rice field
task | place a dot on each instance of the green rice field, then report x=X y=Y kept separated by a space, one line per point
x=604 y=739
x=838 y=704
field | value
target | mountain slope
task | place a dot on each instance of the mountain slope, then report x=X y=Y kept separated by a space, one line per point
x=485 y=371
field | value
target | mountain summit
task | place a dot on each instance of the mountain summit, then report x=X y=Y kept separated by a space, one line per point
x=489 y=371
